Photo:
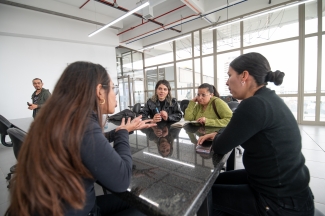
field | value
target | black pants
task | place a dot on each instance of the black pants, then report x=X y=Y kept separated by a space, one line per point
x=232 y=195
x=112 y=205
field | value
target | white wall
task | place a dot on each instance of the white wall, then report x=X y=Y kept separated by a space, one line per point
x=34 y=44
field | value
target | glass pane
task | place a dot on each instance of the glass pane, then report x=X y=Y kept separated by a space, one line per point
x=184 y=94
x=208 y=70
x=184 y=74
x=183 y=48
x=223 y=61
x=138 y=92
x=159 y=54
x=292 y=103
x=126 y=62
x=197 y=69
x=310 y=79
x=323 y=66
x=272 y=26
x=207 y=41
x=151 y=74
x=137 y=61
x=166 y=72
x=311 y=17
x=283 y=57
x=228 y=37
x=196 y=43
x=322 y=108
x=309 y=108
x=118 y=66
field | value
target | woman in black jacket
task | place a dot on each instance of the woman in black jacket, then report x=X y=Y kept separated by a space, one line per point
x=162 y=107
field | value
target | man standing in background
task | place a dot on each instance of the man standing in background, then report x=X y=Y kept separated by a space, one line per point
x=38 y=97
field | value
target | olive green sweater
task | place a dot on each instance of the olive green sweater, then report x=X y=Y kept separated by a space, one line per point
x=195 y=111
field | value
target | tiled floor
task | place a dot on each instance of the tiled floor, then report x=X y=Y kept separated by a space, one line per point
x=313 y=149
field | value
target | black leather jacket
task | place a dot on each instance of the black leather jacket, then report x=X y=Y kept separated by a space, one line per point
x=173 y=110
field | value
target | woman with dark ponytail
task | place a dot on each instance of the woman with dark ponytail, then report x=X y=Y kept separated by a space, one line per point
x=207 y=108
x=275 y=180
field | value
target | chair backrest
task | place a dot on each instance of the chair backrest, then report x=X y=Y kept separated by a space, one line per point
x=183 y=105
x=233 y=105
x=17 y=137
x=136 y=108
x=4 y=126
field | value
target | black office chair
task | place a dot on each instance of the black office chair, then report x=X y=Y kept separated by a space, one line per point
x=233 y=105
x=4 y=126
x=17 y=137
x=183 y=105
x=136 y=108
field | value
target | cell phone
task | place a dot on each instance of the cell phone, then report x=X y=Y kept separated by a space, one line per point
x=157 y=110
x=29 y=104
x=205 y=147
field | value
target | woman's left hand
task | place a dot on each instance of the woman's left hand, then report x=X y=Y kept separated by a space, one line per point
x=164 y=115
x=201 y=120
x=135 y=124
x=206 y=137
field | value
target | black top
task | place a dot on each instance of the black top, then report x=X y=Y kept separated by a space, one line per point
x=265 y=127
x=173 y=110
x=112 y=167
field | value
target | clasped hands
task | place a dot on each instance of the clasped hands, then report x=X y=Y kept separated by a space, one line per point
x=161 y=115
x=136 y=124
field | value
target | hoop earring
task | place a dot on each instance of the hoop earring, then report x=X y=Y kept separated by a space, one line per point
x=102 y=102
x=242 y=83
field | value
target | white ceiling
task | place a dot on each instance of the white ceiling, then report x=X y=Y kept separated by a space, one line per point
x=182 y=15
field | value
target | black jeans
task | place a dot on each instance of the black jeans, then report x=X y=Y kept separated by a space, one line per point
x=112 y=205
x=232 y=195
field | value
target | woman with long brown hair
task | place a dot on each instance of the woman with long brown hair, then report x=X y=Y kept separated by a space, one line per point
x=65 y=150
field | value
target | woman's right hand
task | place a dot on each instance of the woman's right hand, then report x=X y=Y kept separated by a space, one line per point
x=206 y=137
x=157 y=117
x=194 y=99
x=135 y=124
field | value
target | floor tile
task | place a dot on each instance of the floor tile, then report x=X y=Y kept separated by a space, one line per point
x=317 y=185
x=320 y=207
x=316 y=169
x=313 y=155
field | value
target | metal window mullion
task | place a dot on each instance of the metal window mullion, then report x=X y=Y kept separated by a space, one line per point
x=301 y=62
x=319 y=60
x=175 y=72
x=193 y=64
x=215 y=61
x=201 y=66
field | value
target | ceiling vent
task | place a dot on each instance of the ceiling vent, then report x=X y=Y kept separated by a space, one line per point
x=147 y=12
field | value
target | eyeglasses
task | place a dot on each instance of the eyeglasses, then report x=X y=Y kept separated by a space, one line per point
x=202 y=95
x=115 y=89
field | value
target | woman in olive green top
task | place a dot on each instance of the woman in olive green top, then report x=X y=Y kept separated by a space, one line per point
x=204 y=112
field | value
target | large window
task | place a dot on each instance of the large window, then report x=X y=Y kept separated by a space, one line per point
x=283 y=57
x=288 y=39
x=270 y=27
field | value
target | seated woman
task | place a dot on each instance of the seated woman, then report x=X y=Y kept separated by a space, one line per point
x=65 y=150
x=162 y=107
x=275 y=179
x=210 y=110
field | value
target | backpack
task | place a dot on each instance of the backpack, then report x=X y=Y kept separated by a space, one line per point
x=123 y=114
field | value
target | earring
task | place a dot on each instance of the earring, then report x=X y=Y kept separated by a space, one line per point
x=102 y=102
x=242 y=83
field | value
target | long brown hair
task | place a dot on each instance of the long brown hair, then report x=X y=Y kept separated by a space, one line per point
x=49 y=170
x=169 y=95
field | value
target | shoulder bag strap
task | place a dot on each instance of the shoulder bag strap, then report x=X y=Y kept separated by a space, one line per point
x=215 y=108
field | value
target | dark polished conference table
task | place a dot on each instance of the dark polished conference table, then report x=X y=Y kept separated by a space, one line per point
x=168 y=176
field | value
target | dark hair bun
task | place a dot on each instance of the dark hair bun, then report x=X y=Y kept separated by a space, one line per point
x=275 y=77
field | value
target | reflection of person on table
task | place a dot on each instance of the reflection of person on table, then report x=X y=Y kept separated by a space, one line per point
x=275 y=179
x=162 y=107
x=164 y=136
x=65 y=150
x=201 y=109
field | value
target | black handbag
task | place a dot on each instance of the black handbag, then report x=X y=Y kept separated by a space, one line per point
x=123 y=114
